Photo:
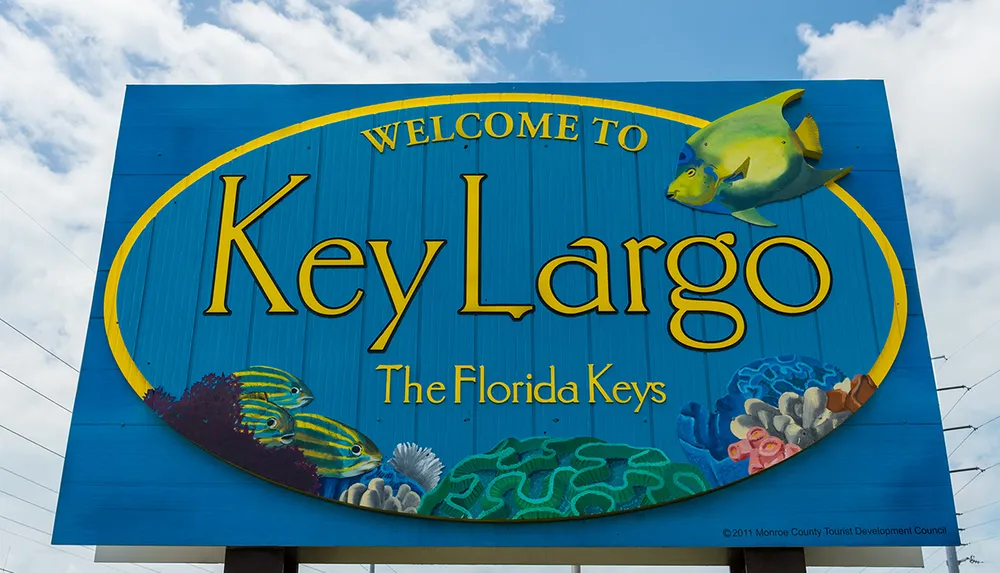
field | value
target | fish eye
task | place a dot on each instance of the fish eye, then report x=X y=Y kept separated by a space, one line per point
x=271 y=422
x=691 y=172
x=295 y=390
x=356 y=449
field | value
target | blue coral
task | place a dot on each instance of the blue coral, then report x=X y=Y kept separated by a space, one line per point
x=705 y=435
x=334 y=487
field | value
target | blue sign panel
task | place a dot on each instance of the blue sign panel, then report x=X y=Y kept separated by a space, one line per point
x=447 y=312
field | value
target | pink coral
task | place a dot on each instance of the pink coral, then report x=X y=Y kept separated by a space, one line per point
x=762 y=450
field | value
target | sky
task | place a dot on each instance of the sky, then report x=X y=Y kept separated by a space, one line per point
x=64 y=65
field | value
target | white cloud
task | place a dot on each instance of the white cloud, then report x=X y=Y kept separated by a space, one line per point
x=936 y=58
x=63 y=70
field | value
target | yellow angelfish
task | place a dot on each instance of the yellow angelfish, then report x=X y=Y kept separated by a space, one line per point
x=748 y=158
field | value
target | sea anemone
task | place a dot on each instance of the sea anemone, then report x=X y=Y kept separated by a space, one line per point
x=419 y=464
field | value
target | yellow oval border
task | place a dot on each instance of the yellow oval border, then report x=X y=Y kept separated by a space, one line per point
x=138 y=382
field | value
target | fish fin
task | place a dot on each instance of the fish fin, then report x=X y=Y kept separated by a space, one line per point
x=255 y=396
x=712 y=207
x=785 y=98
x=740 y=172
x=836 y=174
x=753 y=217
x=821 y=177
x=808 y=133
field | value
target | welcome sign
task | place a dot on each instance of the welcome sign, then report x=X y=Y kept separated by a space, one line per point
x=515 y=305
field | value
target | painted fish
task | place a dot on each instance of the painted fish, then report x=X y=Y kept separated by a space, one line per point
x=749 y=158
x=271 y=425
x=337 y=450
x=282 y=388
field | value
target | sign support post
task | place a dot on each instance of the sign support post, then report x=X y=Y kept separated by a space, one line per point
x=768 y=560
x=261 y=560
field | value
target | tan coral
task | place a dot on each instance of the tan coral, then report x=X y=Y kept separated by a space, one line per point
x=377 y=495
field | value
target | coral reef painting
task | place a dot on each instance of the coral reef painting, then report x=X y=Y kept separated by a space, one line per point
x=209 y=414
x=774 y=408
x=545 y=478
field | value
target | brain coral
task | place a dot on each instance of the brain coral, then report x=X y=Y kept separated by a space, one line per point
x=544 y=477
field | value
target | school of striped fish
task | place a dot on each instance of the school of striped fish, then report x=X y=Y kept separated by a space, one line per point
x=271 y=400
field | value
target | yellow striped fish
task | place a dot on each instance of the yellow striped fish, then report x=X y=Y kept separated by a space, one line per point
x=282 y=388
x=337 y=450
x=272 y=426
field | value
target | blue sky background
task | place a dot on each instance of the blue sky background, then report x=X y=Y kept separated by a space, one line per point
x=701 y=40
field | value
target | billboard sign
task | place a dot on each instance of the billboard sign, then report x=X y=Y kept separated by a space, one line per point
x=519 y=303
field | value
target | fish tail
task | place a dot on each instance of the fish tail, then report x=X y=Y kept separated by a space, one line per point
x=808 y=134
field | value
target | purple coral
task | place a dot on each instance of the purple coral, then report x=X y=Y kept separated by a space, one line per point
x=208 y=414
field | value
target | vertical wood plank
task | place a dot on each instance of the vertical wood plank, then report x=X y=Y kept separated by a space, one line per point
x=333 y=345
x=503 y=345
x=447 y=338
x=561 y=342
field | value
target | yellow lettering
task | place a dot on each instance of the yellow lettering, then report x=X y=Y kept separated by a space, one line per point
x=482 y=384
x=623 y=134
x=413 y=132
x=574 y=394
x=621 y=387
x=641 y=395
x=384 y=139
x=657 y=389
x=459 y=379
x=722 y=244
x=543 y=125
x=599 y=267
x=460 y=126
x=233 y=233
x=516 y=386
x=602 y=138
x=508 y=125
x=752 y=274
x=407 y=386
x=435 y=387
x=596 y=384
x=436 y=122
x=389 y=369
x=636 y=290
x=400 y=299
x=473 y=272
x=506 y=390
x=309 y=264
x=551 y=385
x=565 y=125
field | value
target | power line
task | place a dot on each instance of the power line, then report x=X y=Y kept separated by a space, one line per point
x=32 y=441
x=969 y=435
x=984 y=539
x=53 y=548
x=981 y=507
x=965 y=439
x=42 y=531
x=27 y=479
x=969 y=389
x=42 y=227
x=981 y=524
x=34 y=390
x=33 y=341
x=8 y=494
x=981 y=472
x=973 y=339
